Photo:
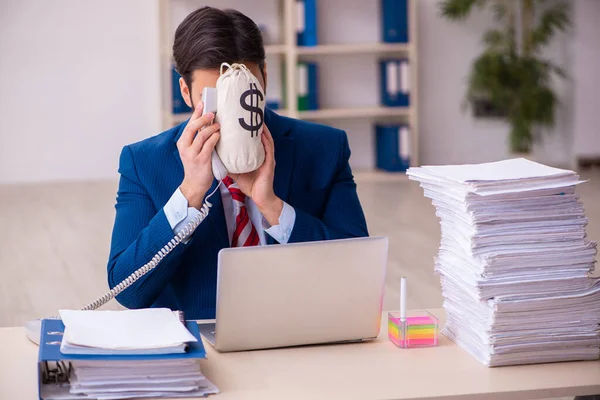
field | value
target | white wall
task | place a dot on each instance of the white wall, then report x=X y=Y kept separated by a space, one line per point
x=586 y=76
x=78 y=80
x=447 y=133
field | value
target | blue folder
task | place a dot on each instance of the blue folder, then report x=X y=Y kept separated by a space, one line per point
x=308 y=86
x=51 y=338
x=306 y=34
x=392 y=74
x=313 y=86
x=272 y=104
x=394 y=21
x=393 y=150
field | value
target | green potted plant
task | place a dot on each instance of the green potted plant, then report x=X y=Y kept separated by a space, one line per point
x=511 y=75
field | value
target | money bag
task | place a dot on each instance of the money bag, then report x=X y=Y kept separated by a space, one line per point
x=240 y=111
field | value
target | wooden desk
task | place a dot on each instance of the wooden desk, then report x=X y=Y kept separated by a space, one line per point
x=372 y=370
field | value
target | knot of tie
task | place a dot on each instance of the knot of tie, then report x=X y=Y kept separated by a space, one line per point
x=244 y=233
x=236 y=193
x=228 y=181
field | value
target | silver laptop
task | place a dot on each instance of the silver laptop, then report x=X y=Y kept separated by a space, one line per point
x=298 y=294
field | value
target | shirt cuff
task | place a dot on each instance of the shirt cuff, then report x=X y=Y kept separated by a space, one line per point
x=282 y=232
x=178 y=213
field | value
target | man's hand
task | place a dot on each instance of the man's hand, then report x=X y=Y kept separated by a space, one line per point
x=195 y=147
x=258 y=185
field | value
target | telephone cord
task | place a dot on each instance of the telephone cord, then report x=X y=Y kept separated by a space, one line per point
x=158 y=257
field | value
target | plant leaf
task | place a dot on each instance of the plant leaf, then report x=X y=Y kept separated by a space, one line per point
x=556 y=69
x=554 y=19
x=457 y=10
x=499 y=9
x=494 y=38
x=559 y=71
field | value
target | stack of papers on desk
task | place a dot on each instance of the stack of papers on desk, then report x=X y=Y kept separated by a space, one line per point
x=139 y=379
x=127 y=354
x=515 y=262
x=146 y=331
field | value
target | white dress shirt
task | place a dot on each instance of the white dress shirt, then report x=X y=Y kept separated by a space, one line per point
x=179 y=214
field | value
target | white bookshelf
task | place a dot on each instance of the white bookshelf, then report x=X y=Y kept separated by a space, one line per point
x=289 y=54
x=361 y=48
x=354 y=113
x=271 y=49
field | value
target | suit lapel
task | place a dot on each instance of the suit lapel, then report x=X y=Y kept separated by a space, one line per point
x=280 y=129
x=216 y=215
x=284 y=159
x=175 y=150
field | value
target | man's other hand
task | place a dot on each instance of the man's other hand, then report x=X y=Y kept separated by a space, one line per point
x=258 y=185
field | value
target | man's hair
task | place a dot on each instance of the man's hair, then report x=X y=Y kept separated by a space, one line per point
x=210 y=36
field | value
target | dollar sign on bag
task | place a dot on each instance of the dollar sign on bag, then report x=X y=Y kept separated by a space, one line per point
x=256 y=113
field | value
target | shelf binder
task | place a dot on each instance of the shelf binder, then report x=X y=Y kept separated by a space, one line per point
x=393 y=147
x=308 y=93
x=273 y=104
x=394 y=21
x=306 y=22
x=54 y=367
x=395 y=82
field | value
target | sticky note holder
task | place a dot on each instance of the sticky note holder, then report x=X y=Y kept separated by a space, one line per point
x=419 y=330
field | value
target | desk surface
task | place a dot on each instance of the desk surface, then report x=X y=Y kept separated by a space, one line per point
x=371 y=370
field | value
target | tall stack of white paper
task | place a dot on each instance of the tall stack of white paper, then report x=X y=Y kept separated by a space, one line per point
x=514 y=262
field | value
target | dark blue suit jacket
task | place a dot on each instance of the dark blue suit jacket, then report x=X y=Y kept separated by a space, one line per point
x=312 y=174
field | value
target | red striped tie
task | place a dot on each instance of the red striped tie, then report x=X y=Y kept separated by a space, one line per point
x=244 y=234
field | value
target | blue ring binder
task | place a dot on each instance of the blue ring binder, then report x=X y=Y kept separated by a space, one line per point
x=54 y=368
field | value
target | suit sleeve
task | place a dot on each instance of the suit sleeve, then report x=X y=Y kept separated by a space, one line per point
x=139 y=232
x=342 y=216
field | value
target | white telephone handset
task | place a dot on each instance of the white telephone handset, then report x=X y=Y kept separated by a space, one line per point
x=209 y=97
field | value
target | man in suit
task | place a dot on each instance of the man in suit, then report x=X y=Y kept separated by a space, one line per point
x=304 y=191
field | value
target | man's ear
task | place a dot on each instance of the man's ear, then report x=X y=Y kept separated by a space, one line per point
x=264 y=74
x=185 y=92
